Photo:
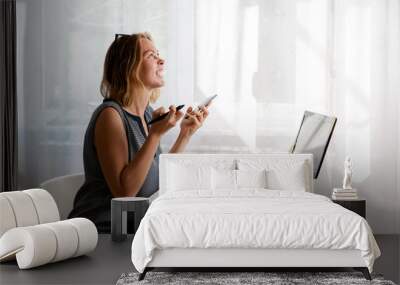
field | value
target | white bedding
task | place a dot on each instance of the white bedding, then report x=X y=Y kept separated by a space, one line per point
x=251 y=218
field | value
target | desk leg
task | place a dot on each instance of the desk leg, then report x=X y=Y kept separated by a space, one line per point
x=117 y=220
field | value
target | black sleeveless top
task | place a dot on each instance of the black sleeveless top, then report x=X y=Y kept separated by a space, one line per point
x=93 y=200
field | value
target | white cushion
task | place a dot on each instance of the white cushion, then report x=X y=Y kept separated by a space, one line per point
x=87 y=233
x=228 y=179
x=32 y=246
x=185 y=176
x=26 y=208
x=251 y=178
x=45 y=205
x=23 y=208
x=283 y=174
x=227 y=161
x=7 y=218
x=288 y=177
x=67 y=240
x=40 y=244
x=223 y=179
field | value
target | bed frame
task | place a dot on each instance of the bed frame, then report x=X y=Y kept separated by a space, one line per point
x=248 y=259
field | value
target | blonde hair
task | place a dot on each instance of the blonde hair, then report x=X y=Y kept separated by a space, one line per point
x=121 y=69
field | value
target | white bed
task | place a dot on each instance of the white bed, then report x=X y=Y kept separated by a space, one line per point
x=225 y=210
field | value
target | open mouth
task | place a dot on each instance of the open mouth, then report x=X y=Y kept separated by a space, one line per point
x=160 y=73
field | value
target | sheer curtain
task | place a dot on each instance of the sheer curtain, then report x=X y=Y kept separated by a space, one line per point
x=268 y=61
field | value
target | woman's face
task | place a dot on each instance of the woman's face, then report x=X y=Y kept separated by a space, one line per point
x=152 y=68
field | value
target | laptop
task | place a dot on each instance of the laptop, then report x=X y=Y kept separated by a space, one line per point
x=313 y=137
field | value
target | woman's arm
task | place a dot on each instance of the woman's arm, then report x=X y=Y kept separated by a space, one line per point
x=125 y=178
x=180 y=143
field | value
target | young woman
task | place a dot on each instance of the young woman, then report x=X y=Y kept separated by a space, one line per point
x=121 y=151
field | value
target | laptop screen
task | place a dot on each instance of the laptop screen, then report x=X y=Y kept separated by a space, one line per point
x=314 y=136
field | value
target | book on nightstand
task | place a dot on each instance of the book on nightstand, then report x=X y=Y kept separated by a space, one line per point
x=344 y=194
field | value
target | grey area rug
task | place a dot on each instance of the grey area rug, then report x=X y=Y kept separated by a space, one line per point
x=228 y=278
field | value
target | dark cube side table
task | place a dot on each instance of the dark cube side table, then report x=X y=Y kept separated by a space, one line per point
x=119 y=212
x=358 y=206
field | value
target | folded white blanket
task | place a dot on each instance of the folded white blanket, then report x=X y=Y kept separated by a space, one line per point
x=251 y=218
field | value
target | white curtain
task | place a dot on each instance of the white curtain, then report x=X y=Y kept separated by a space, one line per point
x=267 y=60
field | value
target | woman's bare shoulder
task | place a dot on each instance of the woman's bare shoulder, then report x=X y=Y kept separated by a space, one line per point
x=109 y=122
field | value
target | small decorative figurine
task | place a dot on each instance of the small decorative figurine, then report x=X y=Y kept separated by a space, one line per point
x=348 y=172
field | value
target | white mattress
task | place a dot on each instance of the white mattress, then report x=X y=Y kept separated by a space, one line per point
x=251 y=218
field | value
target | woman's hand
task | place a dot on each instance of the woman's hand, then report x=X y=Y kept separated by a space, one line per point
x=193 y=120
x=161 y=127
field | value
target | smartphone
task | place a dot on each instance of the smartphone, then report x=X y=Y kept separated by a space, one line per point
x=207 y=101
x=164 y=115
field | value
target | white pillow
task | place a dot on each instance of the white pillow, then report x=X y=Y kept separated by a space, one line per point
x=183 y=177
x=223 y=179
x=288 y=177
x=251 y=178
